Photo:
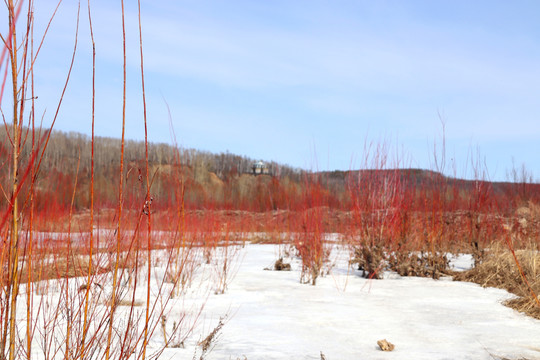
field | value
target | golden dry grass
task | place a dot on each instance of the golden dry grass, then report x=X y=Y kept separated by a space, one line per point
x=498 y=269
x=50 y=268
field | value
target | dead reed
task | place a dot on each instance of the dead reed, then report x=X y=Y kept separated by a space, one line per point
x=498 y=269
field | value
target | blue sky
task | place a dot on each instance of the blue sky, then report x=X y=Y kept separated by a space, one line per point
x=307 y=83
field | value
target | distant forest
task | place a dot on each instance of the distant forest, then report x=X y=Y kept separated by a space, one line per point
x=203 y=180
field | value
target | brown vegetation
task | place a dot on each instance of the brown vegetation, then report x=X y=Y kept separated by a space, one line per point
x=498 y=269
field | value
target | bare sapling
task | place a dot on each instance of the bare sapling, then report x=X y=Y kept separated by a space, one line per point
x=377 y=199
x=310 y=242
x=226 y=262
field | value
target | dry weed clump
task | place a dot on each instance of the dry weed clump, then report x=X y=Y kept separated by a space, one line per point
x=424 y=264
x=373 y=260
x=370 y=259
x=209 y=341
x=499 y=270
x=280 y=265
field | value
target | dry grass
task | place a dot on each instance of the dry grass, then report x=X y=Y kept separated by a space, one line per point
x=265 y=238
x=77 y=266
x=129 y=303
x=498 y=269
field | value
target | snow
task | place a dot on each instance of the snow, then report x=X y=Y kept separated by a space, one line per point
x=271 y=315
x=461 y=263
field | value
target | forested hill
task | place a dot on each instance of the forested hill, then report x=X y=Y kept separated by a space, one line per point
x=207 y=179
x=201 y=179
x=64 y=150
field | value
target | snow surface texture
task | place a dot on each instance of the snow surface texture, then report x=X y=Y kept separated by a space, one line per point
x=273 y=316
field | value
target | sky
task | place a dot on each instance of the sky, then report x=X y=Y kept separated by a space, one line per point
x=319 y=85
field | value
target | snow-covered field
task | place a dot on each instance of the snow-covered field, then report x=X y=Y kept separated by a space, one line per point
x=271 y=315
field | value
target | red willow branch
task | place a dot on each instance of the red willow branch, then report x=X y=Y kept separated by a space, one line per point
x=148 y=198
x=120 y=194
x=87 y=294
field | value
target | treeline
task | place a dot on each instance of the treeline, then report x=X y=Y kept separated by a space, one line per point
x=203 y=180
x=66 y=149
